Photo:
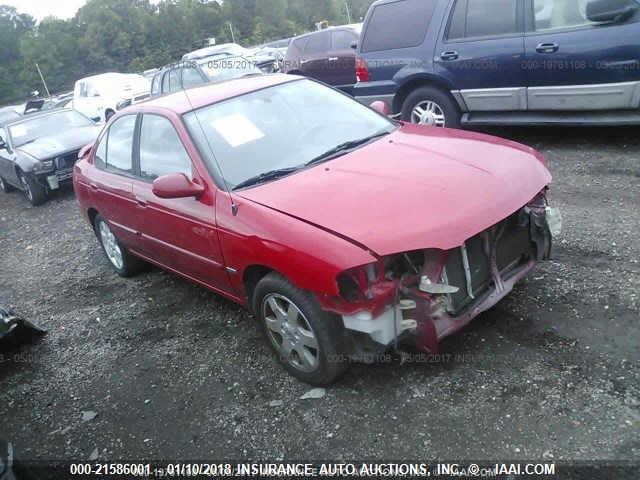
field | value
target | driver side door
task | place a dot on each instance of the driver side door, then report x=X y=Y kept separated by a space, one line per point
x=180 y=233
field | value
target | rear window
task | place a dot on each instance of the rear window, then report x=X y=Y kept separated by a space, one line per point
x=483 y=18
x=318 y=43
x=401 y=24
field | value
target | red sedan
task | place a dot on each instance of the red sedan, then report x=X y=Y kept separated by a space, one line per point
x=343 y=232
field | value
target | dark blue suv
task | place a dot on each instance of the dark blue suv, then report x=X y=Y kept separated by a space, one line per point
x=503 y=62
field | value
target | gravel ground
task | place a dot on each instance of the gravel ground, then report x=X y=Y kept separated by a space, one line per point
x=175 y=372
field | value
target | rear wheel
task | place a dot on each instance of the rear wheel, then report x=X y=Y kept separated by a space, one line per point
x=432 y=107
x=308 y=341
x=4 y=186
x=123 y=262
x=35 y=193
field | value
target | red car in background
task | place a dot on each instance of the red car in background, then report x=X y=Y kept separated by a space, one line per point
x=343 y=232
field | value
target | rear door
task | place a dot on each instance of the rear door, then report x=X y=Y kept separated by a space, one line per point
x=342 y=59
x=179 y=233
x=481 y=51
x=111 y=179
x=576 y=64
x=315 y=57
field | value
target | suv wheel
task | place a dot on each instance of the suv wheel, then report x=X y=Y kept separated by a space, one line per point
x=125 y=264
x=432 y=107
x=4 y=186
x=308 y=341
x=35 y=193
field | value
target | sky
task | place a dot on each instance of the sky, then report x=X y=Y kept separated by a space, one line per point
x=43 y=8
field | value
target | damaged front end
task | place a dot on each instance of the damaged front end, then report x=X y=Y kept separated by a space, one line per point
x=420 y=297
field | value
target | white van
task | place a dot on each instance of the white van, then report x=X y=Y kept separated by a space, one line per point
x=100 y=96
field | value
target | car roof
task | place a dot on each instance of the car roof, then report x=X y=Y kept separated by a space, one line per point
x=198 y=97
x=38 y=114
x=354 y=27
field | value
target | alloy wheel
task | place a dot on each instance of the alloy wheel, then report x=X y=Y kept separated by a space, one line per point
x=290 y=332
x=111 y=246
x=428 y=113
x=27 y=188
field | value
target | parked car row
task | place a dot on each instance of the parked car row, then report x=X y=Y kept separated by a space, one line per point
x=486 y=62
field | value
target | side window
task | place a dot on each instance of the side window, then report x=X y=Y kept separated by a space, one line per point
x=191 y=77
x=165 y=83
x=155 y=85
x=318 y=43
x=174 y=80
x=120 y=144
x=161 y=151
x=342 y=39
x=401 y=24
x=483 y=18
x=101 y=153
x=560 y=14
x=83 y=89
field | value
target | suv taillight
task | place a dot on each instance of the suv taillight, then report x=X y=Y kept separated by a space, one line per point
x=362 y=71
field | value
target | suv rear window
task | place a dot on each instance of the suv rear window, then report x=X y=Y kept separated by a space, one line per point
x=400 y=24
x=483 y=18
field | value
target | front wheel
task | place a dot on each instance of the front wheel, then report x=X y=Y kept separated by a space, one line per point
x=123 y=262
x=308 y=341
x=432 y=107
x=35 y=193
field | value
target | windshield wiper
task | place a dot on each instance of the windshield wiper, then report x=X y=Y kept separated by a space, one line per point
x=344 y=148
x=266 y=176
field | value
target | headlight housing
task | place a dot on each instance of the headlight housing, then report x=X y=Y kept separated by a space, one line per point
x=43 y=166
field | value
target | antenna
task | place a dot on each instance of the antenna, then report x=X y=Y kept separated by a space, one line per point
x=43 y=82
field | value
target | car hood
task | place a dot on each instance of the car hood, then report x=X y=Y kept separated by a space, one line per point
x=416 y=188
x=63 y=142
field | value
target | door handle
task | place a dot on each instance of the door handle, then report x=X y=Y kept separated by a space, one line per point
x=333 y=59
x=449 y=55
x=141 y=202
x=93 y=186
x=547 y=48
x=303 y=61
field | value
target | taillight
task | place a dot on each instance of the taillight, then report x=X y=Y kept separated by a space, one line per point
x=362 y=71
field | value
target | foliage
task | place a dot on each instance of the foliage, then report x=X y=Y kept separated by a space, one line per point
x=135 y=35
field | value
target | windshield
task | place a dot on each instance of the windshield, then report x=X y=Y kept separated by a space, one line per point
x=225 y=68
x=280 y=127
x=27 y=131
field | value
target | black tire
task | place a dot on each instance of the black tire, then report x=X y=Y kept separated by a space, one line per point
x=6 y=187
x=443 y=100
x=108 y=114
x=130 y=264
x=326 y=328
x=35 y=193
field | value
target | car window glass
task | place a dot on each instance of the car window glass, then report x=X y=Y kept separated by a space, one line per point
x=101 y=152
x=83 y=89
x=165 y=83
x=400 y=24
x=155 y=85
x=120 y=144
x=191 y=77
x=559 y=14
x=318 y=43
x=483 y=18
x=161 y=151
x=174 y=80
x=342 y=40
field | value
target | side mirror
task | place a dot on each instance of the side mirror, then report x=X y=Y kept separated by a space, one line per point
x=176 y=185
x=610 y=10
x=381 y=107
x=354 y=45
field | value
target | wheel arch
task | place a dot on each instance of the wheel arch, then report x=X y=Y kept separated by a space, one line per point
x=416 y=82
x=251 y=275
